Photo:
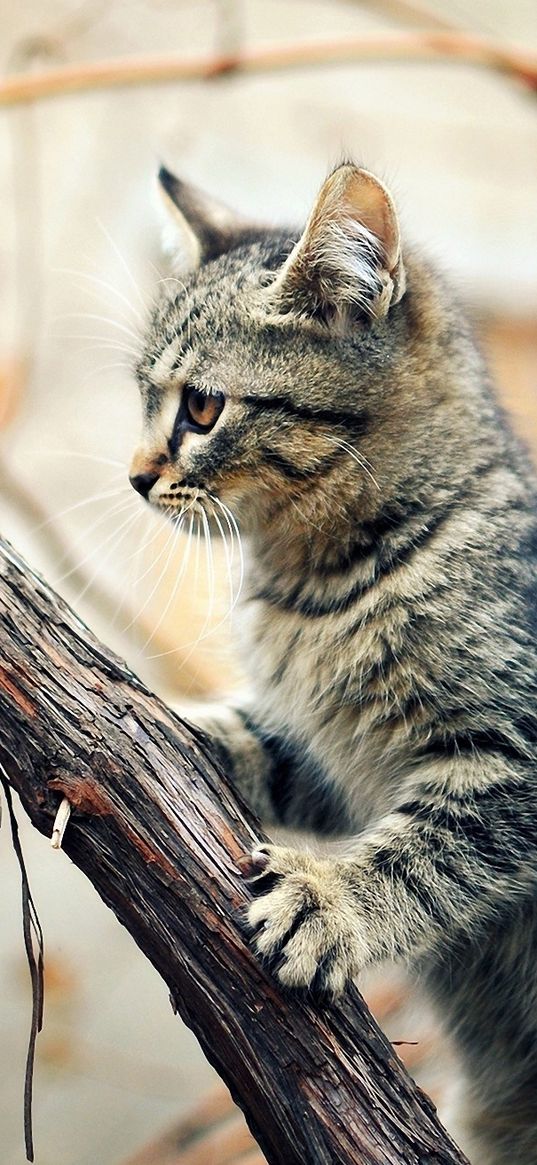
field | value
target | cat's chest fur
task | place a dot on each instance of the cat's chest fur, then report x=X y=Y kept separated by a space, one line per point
x=311 y=688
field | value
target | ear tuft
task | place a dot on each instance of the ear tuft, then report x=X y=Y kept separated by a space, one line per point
x=170 y=184
x=205 y=227
x=348 y=260
x=179 y=241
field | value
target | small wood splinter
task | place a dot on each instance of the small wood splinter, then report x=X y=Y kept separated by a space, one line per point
x=60 y=824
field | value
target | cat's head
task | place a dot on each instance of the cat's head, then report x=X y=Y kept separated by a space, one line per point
x=268 y=356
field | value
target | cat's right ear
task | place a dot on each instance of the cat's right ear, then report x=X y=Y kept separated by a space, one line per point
x=199 y=228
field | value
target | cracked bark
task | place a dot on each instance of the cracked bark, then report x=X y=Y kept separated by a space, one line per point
x=158 y=830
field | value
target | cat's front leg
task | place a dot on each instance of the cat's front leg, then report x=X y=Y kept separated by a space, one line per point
x=421 y=877
x=248 y=754
x=318 y=922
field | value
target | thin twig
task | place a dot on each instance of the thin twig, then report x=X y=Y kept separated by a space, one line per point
x=412 y=12
x=150 y=69
x=60 y=823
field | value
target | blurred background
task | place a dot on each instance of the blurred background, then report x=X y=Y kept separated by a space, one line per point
x=80 y=260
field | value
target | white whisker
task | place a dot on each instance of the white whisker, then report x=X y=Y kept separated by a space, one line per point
x=122 y=260
x=232 y=521
x=86 y=457
x=357 y=457
x=106 y=287
x=132 y=563
x=210 y=569
x=105 y=342
x=98 y=549
x=122 y=531
x=176 y=585
x=92 y=372
x=86 y=315
x=151 y=518
x=168 y=546
x=99 y=497
x=210 y=575
x=84 y=533
x=204 y=634
x=228 y=552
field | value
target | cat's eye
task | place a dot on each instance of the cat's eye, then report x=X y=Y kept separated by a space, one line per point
x=202 y=409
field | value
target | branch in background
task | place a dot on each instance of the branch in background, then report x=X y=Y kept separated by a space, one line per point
x=390 y=47
x=42 y=525
x=159 y=831
x=411 y=12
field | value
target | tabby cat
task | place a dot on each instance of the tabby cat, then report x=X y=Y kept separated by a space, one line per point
x=327 y=390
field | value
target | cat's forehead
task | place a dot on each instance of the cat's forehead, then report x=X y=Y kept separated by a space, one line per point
x=198 y=298
x=209 y=310
x=219 y=284
x=188 y=316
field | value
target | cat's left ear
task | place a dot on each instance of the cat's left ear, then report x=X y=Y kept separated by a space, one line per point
x=348 y=260
x=200 y=228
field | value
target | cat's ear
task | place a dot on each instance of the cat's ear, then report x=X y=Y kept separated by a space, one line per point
x=199 y=228
x=348 y=260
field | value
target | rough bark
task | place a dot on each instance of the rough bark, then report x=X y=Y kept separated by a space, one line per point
x=158 y=830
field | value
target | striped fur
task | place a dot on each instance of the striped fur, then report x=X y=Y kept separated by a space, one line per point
x=388 y=620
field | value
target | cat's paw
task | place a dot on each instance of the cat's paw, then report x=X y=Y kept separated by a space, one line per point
x=305 y=919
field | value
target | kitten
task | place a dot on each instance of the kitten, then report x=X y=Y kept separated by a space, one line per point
x=328 y=392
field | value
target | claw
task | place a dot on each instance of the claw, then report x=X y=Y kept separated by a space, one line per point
x=260 y=859
x=244 y=865
x=254 y=864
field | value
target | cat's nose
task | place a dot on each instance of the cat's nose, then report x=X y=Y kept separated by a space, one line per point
x=143 y=482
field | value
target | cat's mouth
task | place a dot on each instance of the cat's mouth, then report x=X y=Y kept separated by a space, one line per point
x=193 y=508
x=194 y=501
x=184 y=498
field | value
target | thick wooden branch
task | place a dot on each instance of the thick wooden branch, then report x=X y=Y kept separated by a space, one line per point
x=159 y=831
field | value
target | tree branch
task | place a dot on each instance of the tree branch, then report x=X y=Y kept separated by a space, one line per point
x=158 y=830
x=461 y=47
